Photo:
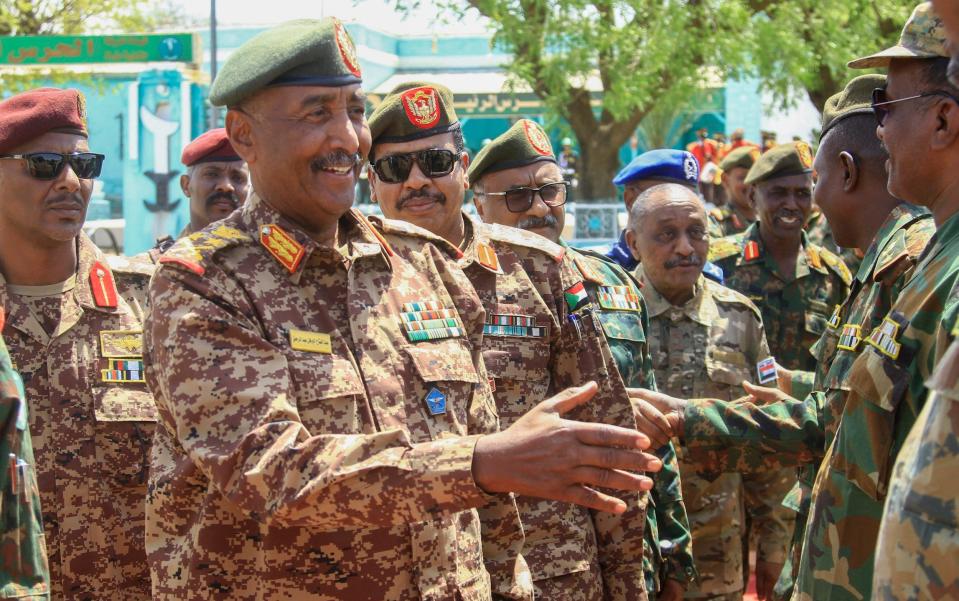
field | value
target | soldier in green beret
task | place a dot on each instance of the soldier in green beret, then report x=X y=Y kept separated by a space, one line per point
x=517 y=182
x=737 y=214
x=540 y=334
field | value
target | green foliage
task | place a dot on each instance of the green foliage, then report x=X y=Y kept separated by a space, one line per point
x=75 y=17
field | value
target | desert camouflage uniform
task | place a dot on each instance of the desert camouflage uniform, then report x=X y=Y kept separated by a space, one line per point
x=888 y=264
x=885 y=396
x=795 y=308
x=92 y=419
x=319 y=407
x=625 y=325
x=24 y=573
x=727 y=221
x=532 y=348
x=820 y=233
x=708 y=347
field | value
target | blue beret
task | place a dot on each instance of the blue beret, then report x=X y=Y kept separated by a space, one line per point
x=665 y=164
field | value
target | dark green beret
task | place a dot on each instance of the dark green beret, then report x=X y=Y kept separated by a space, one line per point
x=305 y=52
x=744 y=156
x=413 y=110
x=523 y=144
x=792 y=158
x=855 y=99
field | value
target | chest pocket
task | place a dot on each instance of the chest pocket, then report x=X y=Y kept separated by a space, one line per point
x=729 y=368
x=865 y=440
x=815 y=322
x=328 y=392
x=519 y=368
x=125 y=420
x=627 y=342
x=447 y=376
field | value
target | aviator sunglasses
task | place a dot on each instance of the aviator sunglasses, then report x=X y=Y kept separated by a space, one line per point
x=434 y=162
x=881 y=104
x=519 y=200
x=49 y=165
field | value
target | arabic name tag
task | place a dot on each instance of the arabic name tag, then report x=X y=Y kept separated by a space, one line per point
x=311 y=342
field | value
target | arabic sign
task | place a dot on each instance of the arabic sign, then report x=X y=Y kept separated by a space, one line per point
x=488 y=105
x=77 y=49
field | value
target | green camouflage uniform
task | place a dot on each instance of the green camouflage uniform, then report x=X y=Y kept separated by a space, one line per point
x=796 y=308
x=886 y=394
x=708 y=347
x=24 y=573
x=625 y=324
x=888 y=264
x=727 y=221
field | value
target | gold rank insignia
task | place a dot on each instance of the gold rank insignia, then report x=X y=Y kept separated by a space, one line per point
x=121 y=343
x=286 y=250
x=836 y=318
x=885 y=337
x=486 y=256
x=814 y=258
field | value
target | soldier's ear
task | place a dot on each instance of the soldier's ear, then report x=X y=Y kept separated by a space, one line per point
x=947 y=124
x=185 y=184
x=631 y=243
x=239 y=130
x=465 y=160
x=850 y=171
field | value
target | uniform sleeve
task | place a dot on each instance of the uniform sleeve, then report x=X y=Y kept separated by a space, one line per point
x=671 y=518
x=254 y=448
x=801 y=383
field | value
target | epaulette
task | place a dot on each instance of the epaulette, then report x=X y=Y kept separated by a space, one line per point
x=723 y=248
x=518 y=237
x=195 y=251
x=723 y=294
x=717 y=214
x=396 y=227
x=907 y=242
x=138 y=265
x=833 y=262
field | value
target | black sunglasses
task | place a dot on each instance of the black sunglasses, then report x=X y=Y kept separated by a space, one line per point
x=434 y=162
x=48 y=165
x=519 y=200
x=881 y=104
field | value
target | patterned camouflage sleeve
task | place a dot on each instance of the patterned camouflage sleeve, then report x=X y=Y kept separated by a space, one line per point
x=740 y=436
x=671 y=518
x=258 y=453
x=24 y=573
x=763 y=493
x=802 y=383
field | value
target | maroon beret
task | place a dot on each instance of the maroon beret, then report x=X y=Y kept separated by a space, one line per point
x=29 y=115
x=208 y=147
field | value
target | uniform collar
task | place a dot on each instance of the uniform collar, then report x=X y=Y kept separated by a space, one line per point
x=701 y=308
x=900 y=216
x=754 y=251
x=478 y=248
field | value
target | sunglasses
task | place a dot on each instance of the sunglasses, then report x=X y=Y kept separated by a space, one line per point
x=519 y=200
x=881 y=104
x=435 y=162
x=49 y=165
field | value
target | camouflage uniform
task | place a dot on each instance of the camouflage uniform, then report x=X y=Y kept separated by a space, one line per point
x=727 y=221
x=92 y=420
x=24 y=573
x=707 y=348
x=889 y=263
x=319 y=407
x=919 y=536
x=624 y=326
x=534 y=345
x=795 y=309
x=886 y=394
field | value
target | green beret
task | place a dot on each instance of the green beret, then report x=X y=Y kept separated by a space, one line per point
x=792 y=158
x=412 y=111
x=744 y=156
x=305 y=52
x=855 y=99
x=523 y=144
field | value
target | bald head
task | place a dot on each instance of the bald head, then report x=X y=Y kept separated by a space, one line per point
x=667 y=232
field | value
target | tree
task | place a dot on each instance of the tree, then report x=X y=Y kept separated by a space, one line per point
x=643 y=54
x=74 y=17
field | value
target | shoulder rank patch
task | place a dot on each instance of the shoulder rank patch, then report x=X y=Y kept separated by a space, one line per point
x=121 y=343
x=722 y=248
x=751 y=251
x=850 y=337
x=430 y=320
x=717 y=214
x=836 y=318
x=287 y=251
x=102 y=285
x=525 y=239
x=885 y=337
x=518 y=326
x=576 y=296
x=618 y=298
x=376 y=233
x=486 y=256
x=766 y=370
x=837 y=265
x=587 y=270
x=3 y=318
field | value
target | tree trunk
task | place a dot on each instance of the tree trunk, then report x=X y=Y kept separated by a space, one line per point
x=598 y=164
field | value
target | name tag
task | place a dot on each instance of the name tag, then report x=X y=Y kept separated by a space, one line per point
x=311 y=342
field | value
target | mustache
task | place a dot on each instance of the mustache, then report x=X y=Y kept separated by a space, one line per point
x=334 y=160
x=532 y=223
x=437 y=197
x=788 y=213
x=61 y=199
x=693 y=260
x=230 y=196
